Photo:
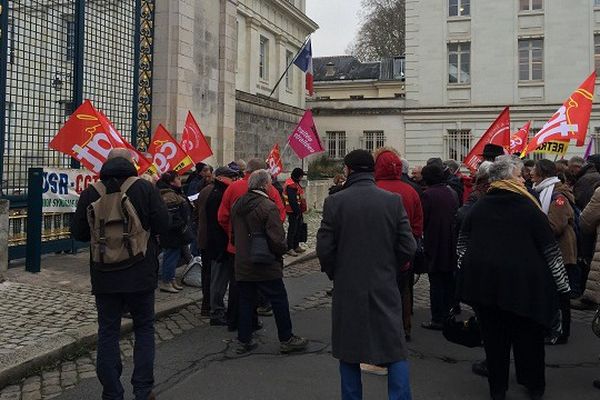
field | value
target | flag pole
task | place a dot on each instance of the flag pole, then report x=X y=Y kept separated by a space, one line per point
x=288 y=67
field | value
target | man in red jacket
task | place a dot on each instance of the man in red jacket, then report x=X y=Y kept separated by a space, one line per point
x=231 y=195
x=388 y=176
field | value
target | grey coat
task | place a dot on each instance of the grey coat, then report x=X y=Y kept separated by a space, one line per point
x=364 y=240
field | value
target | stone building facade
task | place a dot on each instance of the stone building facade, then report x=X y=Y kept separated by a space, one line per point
x=466 y=61
x=220 y=59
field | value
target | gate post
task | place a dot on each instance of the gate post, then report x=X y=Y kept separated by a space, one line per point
x=3 y=67
x=4 y=210
x=34 y=220
x=78 y=69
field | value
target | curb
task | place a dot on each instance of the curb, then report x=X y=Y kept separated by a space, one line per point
x=23 y=361
x=309 y=255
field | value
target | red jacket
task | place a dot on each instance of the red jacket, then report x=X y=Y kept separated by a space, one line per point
x=388 y=172
x=236 y=190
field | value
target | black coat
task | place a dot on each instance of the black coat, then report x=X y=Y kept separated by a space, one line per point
x=587 y=183
x=180 y=232
x=153 y=215
x=216 y=237
x=364 y=240
x=509 y=259
x=440 y=205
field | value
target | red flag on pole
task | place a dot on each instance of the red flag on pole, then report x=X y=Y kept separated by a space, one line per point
x=571 y=120
x=518 y=140
x=305 y=139
x=194 y=142
x=498 y=133
x=88 y=136
x=275 y=165
x=167 y=155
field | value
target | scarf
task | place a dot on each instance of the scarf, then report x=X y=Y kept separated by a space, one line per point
x=545 y=188
x=515 y=186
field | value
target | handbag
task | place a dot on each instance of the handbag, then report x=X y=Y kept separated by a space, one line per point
x=303 y=232
x=596 y=323
x=192 y=274
x=419 y=261
x=465 y=333
x=260 y=252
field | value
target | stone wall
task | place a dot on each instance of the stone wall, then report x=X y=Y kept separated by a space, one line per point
x=3 y=237
x=260 y=123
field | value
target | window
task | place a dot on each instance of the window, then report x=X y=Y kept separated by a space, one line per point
x=458 y=144
x=69 y=27
x=336 y=144
x=459 y=63
x=263 y=61
x=289 y=77
x=597 y=52
x=398 y=68
x=596 y=3
x=373 y=140
x=531 y=5
x=459 y=8
x=531 y=60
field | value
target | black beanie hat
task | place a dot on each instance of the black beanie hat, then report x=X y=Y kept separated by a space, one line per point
x=433 y=174
x=297 y=174
x=360 y=161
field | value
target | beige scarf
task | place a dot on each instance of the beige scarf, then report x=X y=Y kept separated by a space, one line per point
x=515 y=186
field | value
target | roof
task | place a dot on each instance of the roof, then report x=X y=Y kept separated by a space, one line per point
x=349 y=68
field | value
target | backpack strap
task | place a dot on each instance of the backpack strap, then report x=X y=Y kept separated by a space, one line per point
x=100 y=188
x=126 y=237
x=128 y=183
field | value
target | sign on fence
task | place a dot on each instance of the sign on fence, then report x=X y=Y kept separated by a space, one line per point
x=61 y=188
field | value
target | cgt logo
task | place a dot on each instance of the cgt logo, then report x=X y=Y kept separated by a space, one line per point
x=166 y=151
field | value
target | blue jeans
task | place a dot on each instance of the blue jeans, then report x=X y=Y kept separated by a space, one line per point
x=108 y=364
x=170 y=261
x=398 y=382
x=275 y=292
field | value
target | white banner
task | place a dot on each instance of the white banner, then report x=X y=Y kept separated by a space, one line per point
x=62 y=187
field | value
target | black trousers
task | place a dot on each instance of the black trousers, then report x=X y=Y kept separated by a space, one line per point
x=442 y=290
x=206 y=278
x=233 y=302
x=503 y=330
x=293 y=236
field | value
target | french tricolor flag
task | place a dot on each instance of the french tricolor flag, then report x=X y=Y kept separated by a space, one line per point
x=304 y=61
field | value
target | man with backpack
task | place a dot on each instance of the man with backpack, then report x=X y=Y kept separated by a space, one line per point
x=121 y=216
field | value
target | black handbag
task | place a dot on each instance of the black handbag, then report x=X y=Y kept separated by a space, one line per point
x=465 y=333
x=260 y=252
x=419 y=264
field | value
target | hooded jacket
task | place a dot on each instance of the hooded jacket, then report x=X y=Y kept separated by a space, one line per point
x=388 y=176
x=153 y=215
x=256 y=212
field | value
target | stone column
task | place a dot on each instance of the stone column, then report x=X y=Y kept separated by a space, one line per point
x=253 y=51
x=280 y=64
x=4 y=208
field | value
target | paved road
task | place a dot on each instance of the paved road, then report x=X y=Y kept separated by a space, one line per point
x=200 y=363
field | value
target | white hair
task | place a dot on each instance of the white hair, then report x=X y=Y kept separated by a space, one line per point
x=504 y=168
x=405 y=165
x=259 y=180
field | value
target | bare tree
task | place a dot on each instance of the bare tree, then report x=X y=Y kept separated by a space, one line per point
x=382 y=32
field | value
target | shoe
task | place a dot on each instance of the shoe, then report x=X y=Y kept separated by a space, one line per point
x=580 y=304
x=299 y=250
x=152 y=396
x=480 y=369
x=296 y=343
x=244 y=348
x=218 y=322
x=167 y=287
x=373 y=369
x=596 y=383
x=432 y=326
x=176 y=285
x=292 y=253
x=265 y=311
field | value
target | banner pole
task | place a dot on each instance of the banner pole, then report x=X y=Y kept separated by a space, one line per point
x=289 y=66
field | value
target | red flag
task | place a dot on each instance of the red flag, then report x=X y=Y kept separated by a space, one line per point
x=167 y=155
x=518 y=140
x=305 y=139
x=194 y=142
x=274 y=161
x=571 y=120
x=498 y=133
x=88 y=136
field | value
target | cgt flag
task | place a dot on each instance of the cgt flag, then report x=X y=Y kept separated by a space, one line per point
x=167 y=155
x=570 y=121
x=274 y=163
x=518 y=140
x=194 y=142
x=88 y=136
x=498 y=133
x=305 y=139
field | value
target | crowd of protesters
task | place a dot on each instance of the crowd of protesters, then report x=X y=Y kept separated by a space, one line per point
x=515 y=240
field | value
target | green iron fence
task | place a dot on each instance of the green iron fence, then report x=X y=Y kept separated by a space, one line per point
x=54 y=55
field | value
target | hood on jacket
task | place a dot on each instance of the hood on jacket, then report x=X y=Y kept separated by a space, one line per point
x=117 y=168
x=565 y=191
x=388 y=165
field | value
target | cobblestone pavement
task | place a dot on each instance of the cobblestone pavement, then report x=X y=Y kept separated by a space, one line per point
x=30 y=314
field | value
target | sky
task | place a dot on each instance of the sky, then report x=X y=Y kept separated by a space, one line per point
x=338 y=21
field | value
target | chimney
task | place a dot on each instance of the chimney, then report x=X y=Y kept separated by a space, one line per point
x=330 y=69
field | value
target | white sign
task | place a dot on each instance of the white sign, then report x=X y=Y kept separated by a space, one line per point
x=61 y=188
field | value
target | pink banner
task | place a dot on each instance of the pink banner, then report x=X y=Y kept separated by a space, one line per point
x=305 y=139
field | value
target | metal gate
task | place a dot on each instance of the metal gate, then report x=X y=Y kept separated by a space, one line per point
x=55 y=53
